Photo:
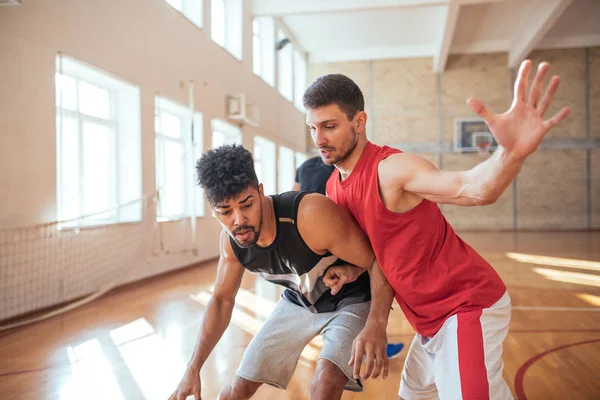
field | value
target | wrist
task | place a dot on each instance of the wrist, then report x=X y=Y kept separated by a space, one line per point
x=195 y=366
x=377 y=322
x=510 y=157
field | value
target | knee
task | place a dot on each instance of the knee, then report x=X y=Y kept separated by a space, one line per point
x=243 y=389
x=327 y=375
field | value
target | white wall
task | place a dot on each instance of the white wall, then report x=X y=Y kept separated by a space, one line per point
x=144 y=42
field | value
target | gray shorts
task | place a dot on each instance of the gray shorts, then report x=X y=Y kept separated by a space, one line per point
x=272 y=355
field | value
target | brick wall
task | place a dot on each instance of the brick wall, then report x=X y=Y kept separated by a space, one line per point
x=403 y=99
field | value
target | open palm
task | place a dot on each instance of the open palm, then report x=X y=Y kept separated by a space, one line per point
x=520 y=130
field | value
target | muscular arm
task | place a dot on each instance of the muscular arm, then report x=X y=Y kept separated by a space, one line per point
x=325 y=226
x=481 y=185
x=519 y=132
x=220 y=307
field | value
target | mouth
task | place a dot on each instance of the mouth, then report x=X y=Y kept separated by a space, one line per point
x=243 y=235
x=325 y=153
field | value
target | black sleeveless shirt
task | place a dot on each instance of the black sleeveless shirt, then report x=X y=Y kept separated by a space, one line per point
x=289 y=262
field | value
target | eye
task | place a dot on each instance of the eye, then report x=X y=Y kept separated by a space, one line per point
x=225 y=212
x=247 y=206
x=330 y=127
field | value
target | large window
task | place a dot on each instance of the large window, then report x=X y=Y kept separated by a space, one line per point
x=191 y=9
x=224 y=133
x=178 y=145
x=264 y=164
x=226 y=25
x=263 y=48
x=299 y=78
x=286 y=170
x=285 y=65
x=98 y=138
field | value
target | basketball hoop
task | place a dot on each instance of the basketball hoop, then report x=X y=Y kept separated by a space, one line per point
x=483 y=147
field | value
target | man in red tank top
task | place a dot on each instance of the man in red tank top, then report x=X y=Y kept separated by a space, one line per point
x=452 y=297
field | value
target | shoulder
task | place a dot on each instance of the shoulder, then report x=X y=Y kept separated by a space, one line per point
x=316 y=208
x=396 y=168
x=406 y=161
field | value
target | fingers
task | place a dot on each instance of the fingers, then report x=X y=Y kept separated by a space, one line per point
x=557 y=118
x=197 y=394
x=330 y=278
x=521 y=82
x=538 y=83
x=548 y=95
x=336 y=287
x=480 y=109
x=370 y=364
x=359 y=352
x=386 y=366
x=378 y=363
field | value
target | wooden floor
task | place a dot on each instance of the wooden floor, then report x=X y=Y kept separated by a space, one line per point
x=135 y=342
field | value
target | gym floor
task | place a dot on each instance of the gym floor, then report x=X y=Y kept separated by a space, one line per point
x=134 y=343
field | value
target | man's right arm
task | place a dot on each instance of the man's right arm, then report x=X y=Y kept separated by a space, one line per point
x=220 y=306
x=216 y=319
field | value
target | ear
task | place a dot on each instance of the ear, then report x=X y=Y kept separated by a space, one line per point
x=261 y=190
x=360 y=121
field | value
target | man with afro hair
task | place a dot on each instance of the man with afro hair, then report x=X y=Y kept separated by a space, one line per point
x=290 y=239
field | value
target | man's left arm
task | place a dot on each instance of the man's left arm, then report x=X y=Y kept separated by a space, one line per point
x=325 y=226
x=519 y=132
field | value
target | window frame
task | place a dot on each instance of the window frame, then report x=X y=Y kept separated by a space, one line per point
x=191 y=148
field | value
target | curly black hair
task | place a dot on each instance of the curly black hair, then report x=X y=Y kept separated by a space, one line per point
x=335 y=89
x=225 y=172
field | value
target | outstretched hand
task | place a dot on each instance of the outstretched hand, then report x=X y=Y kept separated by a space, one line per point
x=520 y=130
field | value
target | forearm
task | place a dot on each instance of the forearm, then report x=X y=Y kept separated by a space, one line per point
x=382 y=296
x=486 y=182
x=216 y=320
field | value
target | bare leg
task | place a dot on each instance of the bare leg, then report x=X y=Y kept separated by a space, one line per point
x=240 y=389
x=328 y=382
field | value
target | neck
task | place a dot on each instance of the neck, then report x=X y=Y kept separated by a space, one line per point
x=345 y=167
x=268 y=229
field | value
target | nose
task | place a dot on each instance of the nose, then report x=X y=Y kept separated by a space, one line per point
x=319 y=137
x=238 y=218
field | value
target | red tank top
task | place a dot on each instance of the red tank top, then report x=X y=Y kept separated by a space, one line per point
x=434 y=272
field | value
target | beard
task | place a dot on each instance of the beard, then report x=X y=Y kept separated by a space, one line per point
x=344 y=150
x=253 y=236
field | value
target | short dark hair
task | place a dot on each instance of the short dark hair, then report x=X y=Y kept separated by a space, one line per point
x=225 y=172
x=335 y=89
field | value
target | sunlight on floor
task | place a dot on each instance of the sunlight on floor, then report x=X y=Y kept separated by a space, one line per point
x=555 y=261
x=92 y=375
x=569 y=277
x=153 y=360
x=590 y=298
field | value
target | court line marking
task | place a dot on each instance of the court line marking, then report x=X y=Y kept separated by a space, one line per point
x=519 y=377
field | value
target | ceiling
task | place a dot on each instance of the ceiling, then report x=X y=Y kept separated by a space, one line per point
x=350 y=30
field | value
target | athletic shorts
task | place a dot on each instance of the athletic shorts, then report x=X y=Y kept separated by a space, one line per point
x=463 y=360
x=272 y=355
